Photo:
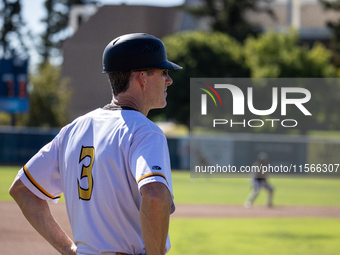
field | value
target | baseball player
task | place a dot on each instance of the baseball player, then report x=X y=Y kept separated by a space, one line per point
x=259 y=180
x=112 y=164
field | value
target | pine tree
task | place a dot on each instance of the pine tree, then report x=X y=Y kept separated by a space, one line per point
x=56 y=22
x=11 y=23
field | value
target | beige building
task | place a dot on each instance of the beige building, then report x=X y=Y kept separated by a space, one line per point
x=83 y=51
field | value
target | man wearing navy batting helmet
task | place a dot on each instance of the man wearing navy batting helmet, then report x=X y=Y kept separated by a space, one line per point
x=111 y=164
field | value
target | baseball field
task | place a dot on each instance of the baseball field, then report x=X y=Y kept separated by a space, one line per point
x=210 y=218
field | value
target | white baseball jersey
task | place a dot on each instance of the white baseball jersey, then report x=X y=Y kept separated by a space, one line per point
x=100 y=161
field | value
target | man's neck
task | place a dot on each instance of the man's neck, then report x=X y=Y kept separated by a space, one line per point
x=129 y=102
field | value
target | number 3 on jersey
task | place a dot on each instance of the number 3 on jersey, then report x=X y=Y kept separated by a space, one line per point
x=86 y=171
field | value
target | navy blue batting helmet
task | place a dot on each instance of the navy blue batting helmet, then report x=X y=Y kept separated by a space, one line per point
x=136 y=51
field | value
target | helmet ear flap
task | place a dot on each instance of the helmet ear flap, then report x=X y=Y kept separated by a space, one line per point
x=135 y=51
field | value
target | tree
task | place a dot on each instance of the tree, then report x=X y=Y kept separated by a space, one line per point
x=56 y=21
x=11 y=25
x=274 y=55
x=271 y=55
x=228 y=16
x=201 y=54
x=48 y=99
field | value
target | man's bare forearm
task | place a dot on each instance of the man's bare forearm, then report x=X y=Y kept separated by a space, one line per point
x=154 y=217
x=38 y=213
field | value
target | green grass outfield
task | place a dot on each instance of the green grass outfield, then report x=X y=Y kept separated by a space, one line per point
x=288 y=191
x=7 y=175
x=243 y=236
x=284 y=236
x=279 y=236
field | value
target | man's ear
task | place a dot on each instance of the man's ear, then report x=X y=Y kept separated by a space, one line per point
x=140 y=76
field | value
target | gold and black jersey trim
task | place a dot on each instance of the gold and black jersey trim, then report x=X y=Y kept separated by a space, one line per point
x=42 y=190
x=152 y=174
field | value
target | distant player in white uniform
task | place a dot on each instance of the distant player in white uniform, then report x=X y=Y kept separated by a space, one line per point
x=112 y=164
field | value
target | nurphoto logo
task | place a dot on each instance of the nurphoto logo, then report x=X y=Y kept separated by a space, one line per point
x=204 y=98
x=238 y=104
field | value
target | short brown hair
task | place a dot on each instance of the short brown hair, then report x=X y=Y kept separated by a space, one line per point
x=120 y=80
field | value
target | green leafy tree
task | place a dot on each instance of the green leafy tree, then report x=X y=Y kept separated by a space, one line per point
x=49 y=99
x=5 y=119
x=274 y=55
x=201 y=54
x=228 y=16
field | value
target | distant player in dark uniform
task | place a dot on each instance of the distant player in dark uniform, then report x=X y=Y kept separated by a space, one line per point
x=259 y=180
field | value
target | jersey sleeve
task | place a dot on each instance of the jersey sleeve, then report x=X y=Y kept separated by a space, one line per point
x=41 y=173
x=150 y=161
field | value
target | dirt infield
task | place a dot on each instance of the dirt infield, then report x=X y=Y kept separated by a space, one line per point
x=18 y=237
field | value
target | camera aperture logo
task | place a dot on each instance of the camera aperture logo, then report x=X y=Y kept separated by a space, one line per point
x=238 y=105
